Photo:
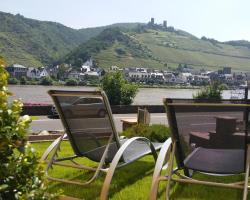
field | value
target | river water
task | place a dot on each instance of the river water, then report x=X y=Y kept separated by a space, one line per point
x=145 y=96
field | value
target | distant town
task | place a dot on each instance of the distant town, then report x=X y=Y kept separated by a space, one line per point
x=89 y=74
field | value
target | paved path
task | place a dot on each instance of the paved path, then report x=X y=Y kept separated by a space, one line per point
x=45 y=123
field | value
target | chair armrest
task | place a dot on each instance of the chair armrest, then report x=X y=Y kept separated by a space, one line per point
x=163 y=155
x=165 y=152
x=52 y=146
x=115 y=161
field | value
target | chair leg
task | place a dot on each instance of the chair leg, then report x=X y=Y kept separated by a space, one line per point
x=246 y=174
x=56 y=146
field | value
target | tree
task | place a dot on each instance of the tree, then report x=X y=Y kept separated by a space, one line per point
x=180 y=68
x=212 y=91
x=128 y=93
x=62 y=69
x=79 y=63
x=21 y=175
x=118 y=90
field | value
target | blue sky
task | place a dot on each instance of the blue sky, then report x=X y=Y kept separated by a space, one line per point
x=220 y=19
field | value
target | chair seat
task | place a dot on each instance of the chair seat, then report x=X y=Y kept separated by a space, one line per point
x=134 y=151
x=217 y=161
x=138 y=149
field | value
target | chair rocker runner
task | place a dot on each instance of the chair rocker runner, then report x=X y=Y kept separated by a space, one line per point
x=207 y=137
x=90 y=129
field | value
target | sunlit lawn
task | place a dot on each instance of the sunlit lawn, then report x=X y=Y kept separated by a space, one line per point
x=133 y=182
x=34 y=118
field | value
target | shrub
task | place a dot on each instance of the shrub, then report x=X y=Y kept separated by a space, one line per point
x=13 y=81
x=23 y=80
x=82 y=83
x=71 y=82
x=212 y=91
x=92 y=80
x=46 y=81
x=21 y=175
x=118 y=90
x=155 y=132
x=33 y=82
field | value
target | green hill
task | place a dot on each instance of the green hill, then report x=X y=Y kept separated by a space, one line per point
x=32 y=42
x=35 y=43
x=157 y=47
x=121 y=43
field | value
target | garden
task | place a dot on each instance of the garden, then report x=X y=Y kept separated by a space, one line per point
x=22 y=174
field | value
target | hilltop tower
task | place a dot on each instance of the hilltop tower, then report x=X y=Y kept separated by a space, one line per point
x=152 y=21
x=165 y=23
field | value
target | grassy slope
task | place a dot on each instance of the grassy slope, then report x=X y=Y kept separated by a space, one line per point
x=172 y=48
x=109 y=57
x=194 y=51
x=129 y=183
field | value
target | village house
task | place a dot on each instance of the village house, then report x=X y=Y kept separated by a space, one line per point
x=17 y=71
x=89 y=63
x=115 y=68
x=186 y=77
x=37 y=73
x=169 y=77
x=92 y=74
x=240 y=78
x=53 y=71
x=139 y=74
x=200 y=80
x=229 y=80
x=157 y=75
x=85 y=68
x=73 y=74
x=43 y=72
x=33 y=73
x=136 y=75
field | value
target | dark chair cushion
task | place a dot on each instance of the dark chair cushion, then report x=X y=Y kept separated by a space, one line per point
x=134 y=151
x=217 y=161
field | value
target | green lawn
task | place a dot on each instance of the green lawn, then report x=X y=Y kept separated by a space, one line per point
x=34 y=118
x=133 y=182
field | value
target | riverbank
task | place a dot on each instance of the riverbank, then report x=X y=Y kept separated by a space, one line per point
x=145 y=96
x=98 y=85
